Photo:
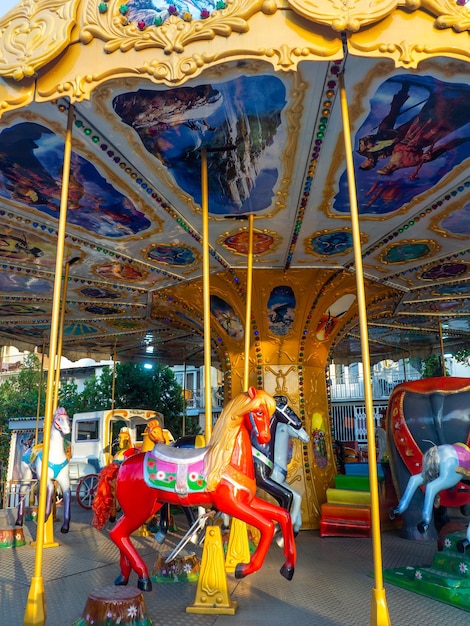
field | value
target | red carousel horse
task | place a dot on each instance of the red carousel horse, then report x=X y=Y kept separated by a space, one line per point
x=220 y=476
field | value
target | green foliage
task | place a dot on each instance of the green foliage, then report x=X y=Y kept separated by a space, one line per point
x=19 y=397
x=135 y=387
x=432 y=367
x=463 y=356
x=155 y=389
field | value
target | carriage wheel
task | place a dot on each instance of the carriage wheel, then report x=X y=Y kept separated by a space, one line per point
x=86 y=490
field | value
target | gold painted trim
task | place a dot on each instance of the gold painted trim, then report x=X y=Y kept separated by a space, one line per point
x=33 y=33
x=356 y=14
x=174 y=34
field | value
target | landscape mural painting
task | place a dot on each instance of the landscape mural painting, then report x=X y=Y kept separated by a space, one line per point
x=31 y=161
x=242 y=115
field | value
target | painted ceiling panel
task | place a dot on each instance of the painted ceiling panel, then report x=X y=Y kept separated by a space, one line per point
x=275 y=150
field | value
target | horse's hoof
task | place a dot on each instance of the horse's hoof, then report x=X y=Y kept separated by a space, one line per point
x=296 y=532
x=144 y=584
x=393 y=512
x=112 y=519
x=64 y=530
x=120 y=580
x=287 y=572
x=463 y=545
x=240 y=570
x=422 y=527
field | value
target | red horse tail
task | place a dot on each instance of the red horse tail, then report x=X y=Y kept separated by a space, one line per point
x=104 y=498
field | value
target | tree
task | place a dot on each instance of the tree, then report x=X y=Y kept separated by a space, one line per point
x=432 y=366
x=155 y=389
x=463 y=356
x=135 y=387
x=19 y=397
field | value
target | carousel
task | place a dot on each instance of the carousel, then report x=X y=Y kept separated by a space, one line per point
x=266 y=186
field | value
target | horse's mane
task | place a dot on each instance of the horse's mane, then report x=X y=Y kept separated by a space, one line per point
x=222 y=442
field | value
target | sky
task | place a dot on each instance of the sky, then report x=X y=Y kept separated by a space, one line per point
x=6 y=5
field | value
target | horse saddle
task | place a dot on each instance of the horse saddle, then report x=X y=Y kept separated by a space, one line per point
x=175 y=469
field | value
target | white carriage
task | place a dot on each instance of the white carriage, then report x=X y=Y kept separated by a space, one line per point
x=94 y=443
x=92 y=446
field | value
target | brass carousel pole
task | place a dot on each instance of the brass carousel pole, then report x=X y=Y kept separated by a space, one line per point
x=61 y=330
x=35 y=613
x=206 y=295
x=441 y=342
x=249 y=291
x=38 y=407
x=379 y=610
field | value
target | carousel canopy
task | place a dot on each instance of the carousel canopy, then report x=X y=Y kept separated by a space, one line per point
x=254 y=86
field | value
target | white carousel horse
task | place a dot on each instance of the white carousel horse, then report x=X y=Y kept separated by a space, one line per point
x=58 y=469
x=443 y=468
x=285 y=432
x=271 y=459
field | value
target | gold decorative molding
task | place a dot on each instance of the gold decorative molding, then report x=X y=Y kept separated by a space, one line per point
x=174 y=34
x=352 y=15
x=411 y=38
x=343 y=15
x=13 y=98
x=34 y=33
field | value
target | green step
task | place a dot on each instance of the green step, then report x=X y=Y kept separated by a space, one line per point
x=347 y=496
x=447 y=579
x=357 y=483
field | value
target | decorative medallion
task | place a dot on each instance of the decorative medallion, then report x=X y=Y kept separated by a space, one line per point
x=445 y=270
x=405 y=251
x=172 y=254
x=330 y=243
x=114 y=270
x=238 y=242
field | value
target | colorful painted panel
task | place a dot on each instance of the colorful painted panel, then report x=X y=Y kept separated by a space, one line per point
x=416 y=133
x=239 y=242
x=169 y=254
x=331 y=318
x=281 y=310
x=100 y=292
x=17 y=309
x=227 y=317
x=408 y=251
x=115 y=270
x=13 y=283
x=17 y=245
x=31 y=173
x=458 y=222
x=243 y=114
x=445 y=270
x=153 y=13
x=330 y=243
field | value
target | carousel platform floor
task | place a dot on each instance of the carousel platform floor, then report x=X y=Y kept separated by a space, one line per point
x=332 y=585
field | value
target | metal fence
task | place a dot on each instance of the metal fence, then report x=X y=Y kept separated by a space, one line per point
x=349 y=421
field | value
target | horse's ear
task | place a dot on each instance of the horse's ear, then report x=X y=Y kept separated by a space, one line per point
x=251 y=393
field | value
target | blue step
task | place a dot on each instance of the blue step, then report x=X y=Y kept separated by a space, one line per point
x=362 y=469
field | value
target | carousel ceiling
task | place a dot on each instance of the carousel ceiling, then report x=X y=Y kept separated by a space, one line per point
x=273 y=133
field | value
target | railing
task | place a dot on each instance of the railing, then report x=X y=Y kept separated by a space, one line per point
x=353 y=388
x=349 y=421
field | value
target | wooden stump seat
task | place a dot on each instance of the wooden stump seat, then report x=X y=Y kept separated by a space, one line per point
x=12 y=537
x=112 y=605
